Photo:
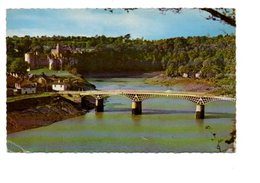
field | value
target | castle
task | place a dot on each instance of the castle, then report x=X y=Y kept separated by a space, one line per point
x=35 y=59
x=54 y=60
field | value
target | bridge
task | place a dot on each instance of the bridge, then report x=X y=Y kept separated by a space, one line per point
x=137 y=96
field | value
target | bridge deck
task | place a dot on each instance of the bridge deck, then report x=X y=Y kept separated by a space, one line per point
x=150 y=93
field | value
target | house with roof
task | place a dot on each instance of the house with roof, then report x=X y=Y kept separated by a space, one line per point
x=60 y=86
x=198 y=75
x=43 y=84
x=11 y=80
x=25 y=86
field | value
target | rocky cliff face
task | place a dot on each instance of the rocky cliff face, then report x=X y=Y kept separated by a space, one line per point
x=32 y=113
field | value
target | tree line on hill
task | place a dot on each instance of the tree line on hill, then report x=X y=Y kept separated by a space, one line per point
x=212 y=57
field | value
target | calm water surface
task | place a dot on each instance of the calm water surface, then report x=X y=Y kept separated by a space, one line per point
x=166 y=125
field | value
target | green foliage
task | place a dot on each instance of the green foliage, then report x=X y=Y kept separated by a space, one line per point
x=213 y=57
x=18 y=66
x=48 y=72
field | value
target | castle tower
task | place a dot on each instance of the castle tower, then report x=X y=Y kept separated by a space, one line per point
x=50 y=62
x=58 y=49
x=29 y=59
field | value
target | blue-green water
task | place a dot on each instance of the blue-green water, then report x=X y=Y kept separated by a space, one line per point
x=166 y=125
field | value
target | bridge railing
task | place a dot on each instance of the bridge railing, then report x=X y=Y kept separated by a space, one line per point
x=150 y=93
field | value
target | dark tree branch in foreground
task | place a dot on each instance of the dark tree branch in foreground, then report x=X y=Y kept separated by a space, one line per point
x=126 y=9
x=222 y=16
x=174 y=10
x=225 y=15
x=219 y=14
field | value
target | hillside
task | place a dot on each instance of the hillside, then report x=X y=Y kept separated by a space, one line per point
x=213 y=58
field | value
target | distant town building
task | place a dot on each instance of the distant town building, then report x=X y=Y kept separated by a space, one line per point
x=25 y=87
x=15 y=75
x=11 y=80
x=54 y=64
x=35 y=60
x=56 y=53
x=43 y=84
x=60 y=86
x=185 y=75
x=9 y=92
x=198 y=75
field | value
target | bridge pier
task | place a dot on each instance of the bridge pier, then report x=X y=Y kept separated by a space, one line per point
x=100 y=105
x=200 y=111
x=136 y=107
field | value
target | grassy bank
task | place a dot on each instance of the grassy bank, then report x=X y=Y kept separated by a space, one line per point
x=30 y=96
x=48 y=72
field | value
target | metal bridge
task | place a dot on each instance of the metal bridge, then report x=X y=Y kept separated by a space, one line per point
x=137 y=96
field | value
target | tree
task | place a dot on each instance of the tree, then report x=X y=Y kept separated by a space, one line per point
x=222 y=14
x=127 y=36
x=19 y=66
x=226 y=15
x=170 y=70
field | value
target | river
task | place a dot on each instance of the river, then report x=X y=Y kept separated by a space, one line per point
x=166 y=125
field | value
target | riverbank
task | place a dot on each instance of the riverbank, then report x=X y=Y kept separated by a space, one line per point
x=123 y=74
x=187 y=84
x=167 y=125
x=36 y=112
x=159 y=78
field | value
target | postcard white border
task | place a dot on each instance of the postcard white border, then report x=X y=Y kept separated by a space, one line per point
x=149 y=167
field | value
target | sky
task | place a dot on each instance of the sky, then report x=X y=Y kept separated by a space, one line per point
x=141 y=23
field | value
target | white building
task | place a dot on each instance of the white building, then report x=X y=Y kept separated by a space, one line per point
x=60 y=86
x=185 y=75
x=197 y=75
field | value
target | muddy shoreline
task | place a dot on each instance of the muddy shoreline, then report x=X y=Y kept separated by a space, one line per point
x=159 y=78
x=188 y=84
x=32 y=113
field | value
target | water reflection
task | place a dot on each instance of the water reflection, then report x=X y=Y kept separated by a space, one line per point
x=200 y=123
x=163 y=111
x=217 y=115
x=137 y=119
x=99 y=117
